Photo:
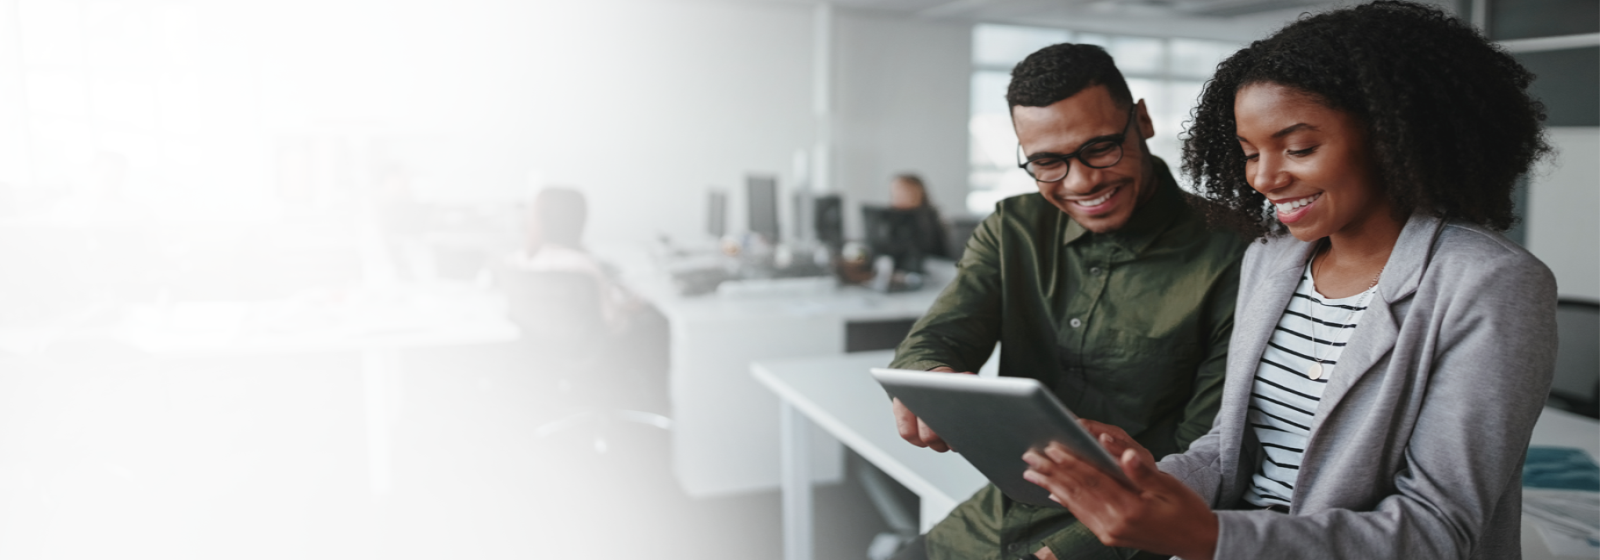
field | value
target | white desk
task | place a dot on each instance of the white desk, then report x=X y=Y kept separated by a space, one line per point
x=836 y=394
x=724 y=426
x=376 y=323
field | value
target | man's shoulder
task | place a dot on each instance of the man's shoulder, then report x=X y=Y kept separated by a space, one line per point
x=1024 y=206
x=1191 y=231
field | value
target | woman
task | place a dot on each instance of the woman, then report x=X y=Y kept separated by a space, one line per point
x=909 y=194
x=1391 y=354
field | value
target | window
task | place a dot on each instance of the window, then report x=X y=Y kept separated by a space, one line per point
x=1166 y=72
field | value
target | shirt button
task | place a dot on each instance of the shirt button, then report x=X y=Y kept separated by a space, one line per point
x=1095 y=271
x=1075 y=323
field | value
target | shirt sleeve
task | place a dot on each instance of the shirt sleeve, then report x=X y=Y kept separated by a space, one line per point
x=960 y=329
x=1202 y=407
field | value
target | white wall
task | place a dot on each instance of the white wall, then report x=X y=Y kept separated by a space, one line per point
x=901 y=105
x=1563 y=200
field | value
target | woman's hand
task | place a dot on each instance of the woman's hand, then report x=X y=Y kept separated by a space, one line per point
x=1161 y=516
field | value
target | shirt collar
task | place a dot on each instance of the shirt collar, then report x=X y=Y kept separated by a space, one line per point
x=1150 y=217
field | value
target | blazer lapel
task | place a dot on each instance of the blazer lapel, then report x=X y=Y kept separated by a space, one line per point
x=1265 y=300
x=1378 y=329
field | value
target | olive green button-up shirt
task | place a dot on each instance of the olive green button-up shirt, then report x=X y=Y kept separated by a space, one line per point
x=1127 y=327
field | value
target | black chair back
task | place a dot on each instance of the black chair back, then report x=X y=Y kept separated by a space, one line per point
x=558 y=312
x=1577 y=380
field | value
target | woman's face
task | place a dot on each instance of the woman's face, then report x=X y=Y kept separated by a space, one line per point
x=1311 y=161
x=905 y=195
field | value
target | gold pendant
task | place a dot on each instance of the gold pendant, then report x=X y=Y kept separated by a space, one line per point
x=1315 y=371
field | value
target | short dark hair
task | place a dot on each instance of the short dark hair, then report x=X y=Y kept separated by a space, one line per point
x=1448 y=116
x=1060 y=71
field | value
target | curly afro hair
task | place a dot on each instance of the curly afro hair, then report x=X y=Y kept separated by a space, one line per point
x=1060 y=71
x=1448 y=115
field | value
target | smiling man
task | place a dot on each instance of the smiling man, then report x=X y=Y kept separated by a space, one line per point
x=1105 y=285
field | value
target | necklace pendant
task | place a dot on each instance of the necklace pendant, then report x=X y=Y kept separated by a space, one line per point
x=1314 y=372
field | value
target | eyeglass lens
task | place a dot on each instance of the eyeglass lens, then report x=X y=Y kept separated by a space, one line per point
x=1099 y=155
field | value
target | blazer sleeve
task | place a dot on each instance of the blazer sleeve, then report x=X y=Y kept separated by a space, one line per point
x=1492 y=361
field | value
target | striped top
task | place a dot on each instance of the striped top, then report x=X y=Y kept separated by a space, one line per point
x=1284 y=398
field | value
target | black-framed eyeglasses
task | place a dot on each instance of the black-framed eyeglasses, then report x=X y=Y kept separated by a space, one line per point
x=1099 y=153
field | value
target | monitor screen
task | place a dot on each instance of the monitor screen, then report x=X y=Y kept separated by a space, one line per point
x=908 y=236
x=762 y=196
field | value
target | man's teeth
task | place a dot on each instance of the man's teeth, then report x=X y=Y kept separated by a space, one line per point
x=1098 y=201
x=1290 y=206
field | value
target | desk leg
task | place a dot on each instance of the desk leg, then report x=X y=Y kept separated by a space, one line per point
x=795 y=456
x=381 y=380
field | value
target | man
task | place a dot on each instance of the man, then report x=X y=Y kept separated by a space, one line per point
x=1106 y=286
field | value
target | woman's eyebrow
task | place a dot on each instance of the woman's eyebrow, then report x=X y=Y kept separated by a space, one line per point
x=1292 y=128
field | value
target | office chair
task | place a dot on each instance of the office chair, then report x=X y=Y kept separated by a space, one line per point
x=1576 y=387
x=565 y=333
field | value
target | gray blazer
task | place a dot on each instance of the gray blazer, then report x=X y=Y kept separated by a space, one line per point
x=1416 y=449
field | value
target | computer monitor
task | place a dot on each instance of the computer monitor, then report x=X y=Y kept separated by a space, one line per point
x=761 y=194
x=717 y=213
x=829 y=214
x=908 y=236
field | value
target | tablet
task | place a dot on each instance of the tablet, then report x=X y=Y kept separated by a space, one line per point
x=992 y=421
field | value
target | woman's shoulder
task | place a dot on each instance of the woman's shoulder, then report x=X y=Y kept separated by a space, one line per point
x=1465 y=248
x=1468 y=258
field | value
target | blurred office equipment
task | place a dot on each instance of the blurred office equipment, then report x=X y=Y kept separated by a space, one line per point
x=1577 y=381
x=717 y=213
x=828 y=211
x=907 y=236
x=961 y=228
x=761 y=197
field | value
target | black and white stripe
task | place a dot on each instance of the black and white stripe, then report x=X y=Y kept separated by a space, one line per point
x=1284 y=398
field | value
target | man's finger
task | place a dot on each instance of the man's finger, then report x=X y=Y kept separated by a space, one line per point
x=906 y=423
x=931 y=439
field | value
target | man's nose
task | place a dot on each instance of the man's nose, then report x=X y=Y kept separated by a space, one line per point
x=1080 y=180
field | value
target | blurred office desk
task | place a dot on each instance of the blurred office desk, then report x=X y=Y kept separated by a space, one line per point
x=836 y=394
x=377 y=322
x=725 y=425
x=1562 y=429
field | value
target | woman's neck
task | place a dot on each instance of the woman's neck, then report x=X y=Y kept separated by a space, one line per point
x=1352 y=258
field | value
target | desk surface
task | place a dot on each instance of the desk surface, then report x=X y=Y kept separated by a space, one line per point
x=725 y=424
x=838 y=395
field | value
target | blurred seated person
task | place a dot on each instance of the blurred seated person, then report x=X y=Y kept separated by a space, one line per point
x=908 y=193
x=636 y=334
x=555 y=232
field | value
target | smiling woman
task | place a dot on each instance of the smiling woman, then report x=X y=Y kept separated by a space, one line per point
x=1393 y=325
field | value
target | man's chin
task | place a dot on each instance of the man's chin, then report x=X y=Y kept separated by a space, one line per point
x=1101 y=223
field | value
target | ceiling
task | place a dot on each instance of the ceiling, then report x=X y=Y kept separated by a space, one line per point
x=1232 y=20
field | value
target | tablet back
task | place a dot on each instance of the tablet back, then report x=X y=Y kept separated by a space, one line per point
x=991 y=422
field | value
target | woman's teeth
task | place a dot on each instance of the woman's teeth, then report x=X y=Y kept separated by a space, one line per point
x=1098 y=201
x=1296 y=204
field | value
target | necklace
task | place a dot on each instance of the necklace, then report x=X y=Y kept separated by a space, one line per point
x=1314 y=371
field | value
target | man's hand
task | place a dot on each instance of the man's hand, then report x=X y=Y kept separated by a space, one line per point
x=913 y=429
x=1161 y=515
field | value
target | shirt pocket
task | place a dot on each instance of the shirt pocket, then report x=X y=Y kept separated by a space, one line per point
x=1145 y=375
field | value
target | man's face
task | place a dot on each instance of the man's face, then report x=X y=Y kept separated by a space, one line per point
x=1101 y=200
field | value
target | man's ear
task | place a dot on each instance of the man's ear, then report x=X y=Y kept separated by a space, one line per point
x=1147 y=128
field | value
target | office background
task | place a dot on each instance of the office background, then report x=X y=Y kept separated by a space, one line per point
x=156 y=152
